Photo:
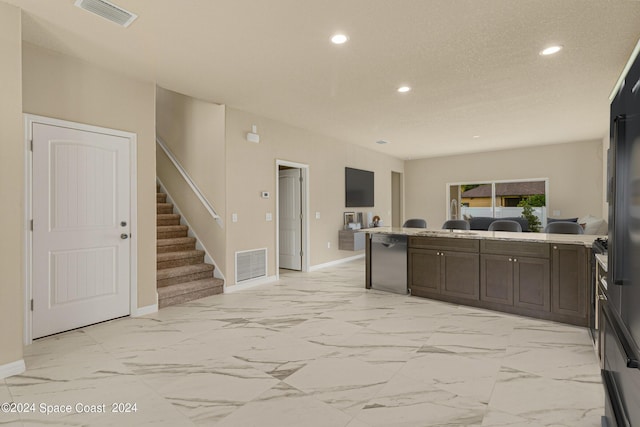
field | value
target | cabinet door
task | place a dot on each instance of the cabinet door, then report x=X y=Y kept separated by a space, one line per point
x=496 y=279
x=569 y=280
x=424 y=271
x=531 y=283
x=460 y=274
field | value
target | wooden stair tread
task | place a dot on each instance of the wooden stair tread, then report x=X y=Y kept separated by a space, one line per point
x=185 y=288
x=168 y=216
x=166 y=256
x=175 y=241
x=183 y=271
x=172 y=227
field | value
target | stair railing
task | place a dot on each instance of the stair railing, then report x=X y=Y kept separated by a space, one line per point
x=189 y=181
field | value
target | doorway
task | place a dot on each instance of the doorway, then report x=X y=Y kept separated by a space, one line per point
x=396 y=199
x=80 y=246
x=292 y=216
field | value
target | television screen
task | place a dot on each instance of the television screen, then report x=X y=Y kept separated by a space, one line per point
x=358 y=188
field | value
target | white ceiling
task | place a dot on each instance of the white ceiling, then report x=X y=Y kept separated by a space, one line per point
x=473 y=64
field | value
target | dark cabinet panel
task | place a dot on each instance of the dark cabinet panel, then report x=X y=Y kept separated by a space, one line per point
x=459 y=273
x=527 y=278
x=433 y=272
x=531 y=283
x=496 y=279
x=424 y=271
x=445 y=243
x=508 y=247
x=568 y=280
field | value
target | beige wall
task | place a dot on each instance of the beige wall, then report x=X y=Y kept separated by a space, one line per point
x=61 y=87
x=574 y=171
x=194 y=130
x=251 y=168
x=11 y=186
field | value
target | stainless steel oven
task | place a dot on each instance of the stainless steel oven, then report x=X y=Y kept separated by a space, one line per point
x=598 y=271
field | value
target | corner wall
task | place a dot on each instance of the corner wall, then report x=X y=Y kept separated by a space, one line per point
x=194 y=131
x=574 y=171
x=58 y=86
x=11 y=186
x=251 y=168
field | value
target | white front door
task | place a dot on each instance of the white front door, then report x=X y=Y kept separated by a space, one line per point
x=80 y=247
x=290 y=217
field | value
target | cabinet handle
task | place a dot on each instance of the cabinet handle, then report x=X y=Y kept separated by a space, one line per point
x=510 y=259
x=438 y=253
x=515 y=260
x=555 y=247
x=441 y=253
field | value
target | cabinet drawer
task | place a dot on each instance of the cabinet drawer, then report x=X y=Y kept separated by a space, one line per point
x=443 y=243
x=539 y=250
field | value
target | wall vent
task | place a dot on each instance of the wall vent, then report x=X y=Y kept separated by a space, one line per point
x=251 y=264
x=108 y=11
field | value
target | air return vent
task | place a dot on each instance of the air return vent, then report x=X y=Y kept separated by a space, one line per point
x=251 y=264
x=108 y=11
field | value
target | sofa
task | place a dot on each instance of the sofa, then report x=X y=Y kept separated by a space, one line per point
x=483 y=222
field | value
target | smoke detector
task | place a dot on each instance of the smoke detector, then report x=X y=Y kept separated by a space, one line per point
x=108 y=11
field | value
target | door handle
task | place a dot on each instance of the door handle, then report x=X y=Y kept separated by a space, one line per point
x=124 y=236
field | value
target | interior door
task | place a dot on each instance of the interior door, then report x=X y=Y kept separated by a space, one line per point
x=290 y=217
x=81 y=208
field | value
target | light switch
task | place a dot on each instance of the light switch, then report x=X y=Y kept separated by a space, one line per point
x=269 y=217
x=234 y=217
x=317 y=215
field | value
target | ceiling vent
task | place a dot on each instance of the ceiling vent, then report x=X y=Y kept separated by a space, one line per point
x=108 y=11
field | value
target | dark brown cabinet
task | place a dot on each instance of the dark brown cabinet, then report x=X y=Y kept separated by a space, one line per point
x=443 y=266
x=424 y=272
x=511 y=278
x=537 y=279
x=569 y=280
x=496 y=279
x=531 y=283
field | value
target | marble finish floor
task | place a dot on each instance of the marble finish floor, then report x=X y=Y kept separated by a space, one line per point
x=315 y=349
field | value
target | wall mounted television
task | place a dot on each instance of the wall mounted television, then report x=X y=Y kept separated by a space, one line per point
x=359 y=188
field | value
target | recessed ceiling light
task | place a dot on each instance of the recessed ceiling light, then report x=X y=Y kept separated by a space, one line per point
x=403 y=89
x=339 y=39
x=382 y=141
x=550 y=50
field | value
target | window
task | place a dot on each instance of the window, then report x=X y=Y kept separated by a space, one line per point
x=497 y=199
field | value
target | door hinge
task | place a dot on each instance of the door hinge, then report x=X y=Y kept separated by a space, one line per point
x=31 y=145
x=300 y=179
x=301 y=253
x=31 y=304
x=31 y=225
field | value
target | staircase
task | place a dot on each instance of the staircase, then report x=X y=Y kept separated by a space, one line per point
x=182 y=273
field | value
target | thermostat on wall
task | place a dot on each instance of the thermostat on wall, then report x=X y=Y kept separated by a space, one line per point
x=264 y=194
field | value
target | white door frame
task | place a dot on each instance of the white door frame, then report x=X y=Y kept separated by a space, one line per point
x=29 y=120
x=304 y=202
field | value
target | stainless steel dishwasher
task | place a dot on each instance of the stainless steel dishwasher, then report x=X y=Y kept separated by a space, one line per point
x=389 y=263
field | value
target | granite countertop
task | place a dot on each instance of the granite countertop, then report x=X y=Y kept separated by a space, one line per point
x=575 y=239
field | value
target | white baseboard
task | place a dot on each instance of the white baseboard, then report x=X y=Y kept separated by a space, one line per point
x=149 y=309
x=249 y=284
x=336 y=262
x=13 y=368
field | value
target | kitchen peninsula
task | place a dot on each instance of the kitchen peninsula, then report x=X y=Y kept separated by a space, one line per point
x=539 y=275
